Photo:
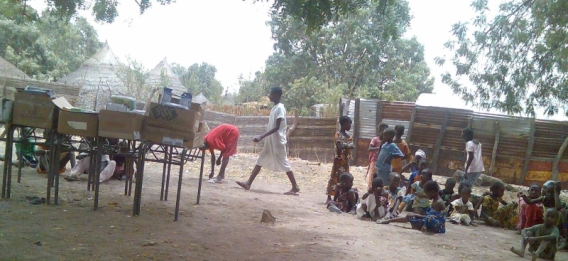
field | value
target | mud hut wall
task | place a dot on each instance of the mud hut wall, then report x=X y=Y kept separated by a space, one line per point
x=312 y=140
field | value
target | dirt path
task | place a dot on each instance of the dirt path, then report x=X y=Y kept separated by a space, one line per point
x=225 y=226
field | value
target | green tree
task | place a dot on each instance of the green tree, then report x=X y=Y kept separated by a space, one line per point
x=358 y=55
x=313 y=13
x=200 y=78
x=44 y=47
x=135 y=78
x=516 y=61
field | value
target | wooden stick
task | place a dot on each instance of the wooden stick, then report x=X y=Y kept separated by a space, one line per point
x=557 y=159
x=495 y=146
x=294 y=125
x=439 y=143
x=528 y=154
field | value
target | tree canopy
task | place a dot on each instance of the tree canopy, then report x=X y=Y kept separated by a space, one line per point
x=361 y=54
x=44 y=47
x=515 y=61
x=200 y=78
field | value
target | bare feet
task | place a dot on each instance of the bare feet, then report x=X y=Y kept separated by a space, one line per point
x=534 y=256
x=243 y=185
x=293 y=191
x=519 y=253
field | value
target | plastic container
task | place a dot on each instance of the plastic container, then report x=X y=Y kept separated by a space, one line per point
x=166 y=95
x=116 y=107
x=185 y=99
x=129 y=102
x=39 y=91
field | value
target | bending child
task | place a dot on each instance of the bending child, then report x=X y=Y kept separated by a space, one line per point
x=374 y=202
x=463 y=209
x=541 y=238
x=346 y=197
x=435 y=218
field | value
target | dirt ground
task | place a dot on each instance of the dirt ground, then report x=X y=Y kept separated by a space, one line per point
x=225 y=226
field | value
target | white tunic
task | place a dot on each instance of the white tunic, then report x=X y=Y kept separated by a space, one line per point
x=273 y=156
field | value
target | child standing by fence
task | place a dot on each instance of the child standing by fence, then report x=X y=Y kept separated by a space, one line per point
x=402 y=146
x=388 y=152
x=374 y=148
x=343 y=145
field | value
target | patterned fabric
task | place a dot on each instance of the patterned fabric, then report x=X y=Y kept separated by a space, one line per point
x=505 y=217
x=538 y=231
x=397 y=163
x=340 y=162
x=435 y=222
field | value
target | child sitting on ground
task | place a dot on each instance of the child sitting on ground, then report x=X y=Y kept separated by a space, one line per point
x=463 y=209
x=447 y=194
x=531 y=208
x=492 y=214
x=346 y=197
x=374 y=202
x=541 y=238
x=395 y=195
x=420 y=202
x=433 y=221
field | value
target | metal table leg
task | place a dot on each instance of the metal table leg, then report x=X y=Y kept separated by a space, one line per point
x=200 y=175
x=98 y=158
x=169 y=160
x=179 y=183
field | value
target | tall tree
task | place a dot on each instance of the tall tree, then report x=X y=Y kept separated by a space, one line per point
x=200 y=78
x=313 y=13
x=515 y=61
x=135 y=78
x=45 y=46
x=358 y=55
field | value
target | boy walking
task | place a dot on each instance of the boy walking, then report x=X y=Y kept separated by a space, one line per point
x=273 y=156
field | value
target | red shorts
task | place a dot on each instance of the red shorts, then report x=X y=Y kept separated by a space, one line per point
x=223 y=138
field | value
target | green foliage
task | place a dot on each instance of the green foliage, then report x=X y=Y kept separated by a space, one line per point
x=135 y=78
x=44 y=47
x=516 y=61
x=361 y=54
x=200 y=78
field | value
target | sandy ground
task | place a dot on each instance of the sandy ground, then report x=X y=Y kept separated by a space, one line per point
x=225 y=226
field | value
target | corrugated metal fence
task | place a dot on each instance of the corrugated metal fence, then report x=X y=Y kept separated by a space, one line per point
x=515 y=149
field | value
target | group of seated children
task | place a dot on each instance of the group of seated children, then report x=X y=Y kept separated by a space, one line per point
x=542 y=220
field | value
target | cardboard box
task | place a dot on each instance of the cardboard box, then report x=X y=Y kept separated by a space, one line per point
x=198 y=107
x=170 y=137
x=34 y=110
x=173 y=118
x=70 y=122
x=120 y=125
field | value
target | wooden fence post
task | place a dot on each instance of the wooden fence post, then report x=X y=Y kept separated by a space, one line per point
x=439 y=142
x=340 y=107
x=557 y=159
x=470 y=122
x=528 y=154
x=379 y=116
x=410 y=124
x=356 y=130
x=495 y=146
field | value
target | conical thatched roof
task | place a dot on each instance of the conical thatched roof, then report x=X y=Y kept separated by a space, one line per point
x=173 y=82
x=9 y=70
x=200 y=98
x=98 y=79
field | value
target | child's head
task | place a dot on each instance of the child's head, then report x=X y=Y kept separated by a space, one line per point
x=450 y=184
x=431 y=189
x=465 y=194
x=467 y=134
x=399 y=130
x=422 y=164
x=425 y=175
x=377 y=183
x=345 y=123
x=497 y=189
x=534 y=191
x=380 y=128
x=346 y=180
x=394 y=179
x=275 y=94
x=419 y=155
x=551 y=217
x=438 y=206
x=388 y=135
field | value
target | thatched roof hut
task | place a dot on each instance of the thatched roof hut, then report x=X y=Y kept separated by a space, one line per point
x=164 y=68
x=9 y=70
x=98 y=79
